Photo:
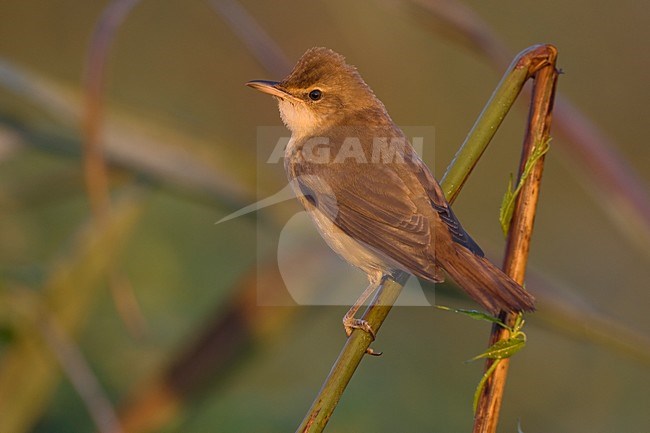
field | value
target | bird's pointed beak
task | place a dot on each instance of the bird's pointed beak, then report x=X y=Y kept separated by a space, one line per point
x=273 y=88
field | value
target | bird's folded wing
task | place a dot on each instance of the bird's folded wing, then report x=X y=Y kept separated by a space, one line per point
x=377 y=208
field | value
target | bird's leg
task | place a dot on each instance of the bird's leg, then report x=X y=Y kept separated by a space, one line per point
x=349 y=321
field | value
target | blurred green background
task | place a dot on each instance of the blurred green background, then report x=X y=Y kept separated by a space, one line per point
x=191 y=350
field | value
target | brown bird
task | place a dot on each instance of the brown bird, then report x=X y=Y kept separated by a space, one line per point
x=371 y=197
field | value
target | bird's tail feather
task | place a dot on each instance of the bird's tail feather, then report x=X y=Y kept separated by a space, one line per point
x=487 y=284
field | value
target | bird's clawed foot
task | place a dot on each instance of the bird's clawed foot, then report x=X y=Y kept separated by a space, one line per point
x=352 y=323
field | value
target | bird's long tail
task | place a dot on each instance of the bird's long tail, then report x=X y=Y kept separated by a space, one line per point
x=486 y=283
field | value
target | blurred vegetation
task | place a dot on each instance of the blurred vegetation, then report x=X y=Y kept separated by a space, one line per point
x=152 y=317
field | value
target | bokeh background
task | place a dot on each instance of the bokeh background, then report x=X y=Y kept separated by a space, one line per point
x=148 y=316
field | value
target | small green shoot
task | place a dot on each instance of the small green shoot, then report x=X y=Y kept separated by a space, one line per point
x=474 y=314
x=508 y=203
x=502 y=349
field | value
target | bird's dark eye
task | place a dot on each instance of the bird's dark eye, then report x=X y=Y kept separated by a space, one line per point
x=315 y=95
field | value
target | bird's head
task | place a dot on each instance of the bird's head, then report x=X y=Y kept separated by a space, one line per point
x=322 y=91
